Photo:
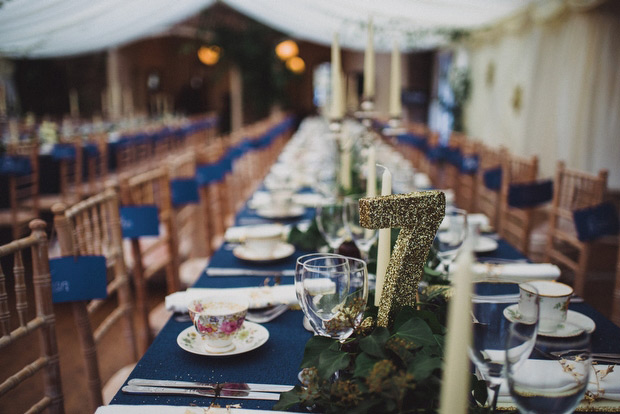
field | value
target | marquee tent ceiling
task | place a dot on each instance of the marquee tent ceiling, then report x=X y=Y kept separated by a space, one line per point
x=51 y=28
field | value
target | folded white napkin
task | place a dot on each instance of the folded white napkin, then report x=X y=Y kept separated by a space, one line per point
x=171 y=409
x=260 y=297
x=518 y=271
x=550 y=374
x=309 y=199
x=237 y=234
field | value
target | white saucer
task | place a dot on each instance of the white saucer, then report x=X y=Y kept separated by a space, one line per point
x=579 y=319
x=485 y=245
x=250 y=336
x=282 y=251
x=271 y=213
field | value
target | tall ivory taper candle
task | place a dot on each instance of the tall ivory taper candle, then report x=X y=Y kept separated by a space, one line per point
x=456 y=373
x=369 y=64
x=384 y=248
x=371 y=176
x=336 y=81
x=395 y=109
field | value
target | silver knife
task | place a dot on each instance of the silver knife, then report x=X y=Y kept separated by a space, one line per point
x=233 y=386
x=227 y=271
x=245 y=395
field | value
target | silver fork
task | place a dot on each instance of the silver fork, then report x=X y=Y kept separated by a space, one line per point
x=266 y=315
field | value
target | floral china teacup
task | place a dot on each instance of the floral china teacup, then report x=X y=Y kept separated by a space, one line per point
x=217 y=319
x=554 y=301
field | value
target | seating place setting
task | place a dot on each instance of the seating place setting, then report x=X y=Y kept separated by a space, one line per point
x=309 y=207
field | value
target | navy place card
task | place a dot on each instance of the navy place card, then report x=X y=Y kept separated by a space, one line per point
x=597 y=221
x=138 y=221
x=184 y=191
x=78 y=278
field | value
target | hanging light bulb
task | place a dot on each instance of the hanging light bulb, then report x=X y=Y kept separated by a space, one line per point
x=296 y=65
x=209 y=55
x=287 y=49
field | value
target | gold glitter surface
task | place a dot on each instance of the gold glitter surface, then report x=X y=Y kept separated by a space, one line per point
x=419 y=215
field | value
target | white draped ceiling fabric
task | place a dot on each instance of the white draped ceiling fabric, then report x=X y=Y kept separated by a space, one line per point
x=53 y=28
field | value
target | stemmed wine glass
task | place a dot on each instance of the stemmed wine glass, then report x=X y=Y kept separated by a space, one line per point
x=362 y=237
x=492 y=305
x=554 y=377
x=330 y=221
x=450 y=237
x=334 y=294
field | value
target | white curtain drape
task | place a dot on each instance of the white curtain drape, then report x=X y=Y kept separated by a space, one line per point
x=567 y=72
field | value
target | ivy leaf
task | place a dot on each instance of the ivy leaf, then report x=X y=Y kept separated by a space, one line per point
x=417 y=331
x=404 y=315
x=289 y=399
x=331 y=361
x=422 y=366
x=363 y=365
x=431 y=320
x=313 y=349
x=374 y=343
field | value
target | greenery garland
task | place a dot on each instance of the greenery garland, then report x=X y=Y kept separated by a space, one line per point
x=395 y=370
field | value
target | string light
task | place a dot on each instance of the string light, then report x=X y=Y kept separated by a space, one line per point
x=296 y=65
x=209 y=55
x=287 y=49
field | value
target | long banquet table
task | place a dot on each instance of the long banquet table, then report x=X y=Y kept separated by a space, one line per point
x=278 y=360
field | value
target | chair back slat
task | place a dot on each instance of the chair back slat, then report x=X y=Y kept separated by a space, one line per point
x=41 y=321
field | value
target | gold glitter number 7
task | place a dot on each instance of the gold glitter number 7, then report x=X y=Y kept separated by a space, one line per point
x=419 y=215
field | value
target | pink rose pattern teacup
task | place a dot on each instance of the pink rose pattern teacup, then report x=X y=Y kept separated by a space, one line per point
x=217 y=319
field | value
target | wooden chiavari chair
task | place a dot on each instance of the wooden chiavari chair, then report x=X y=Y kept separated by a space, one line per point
x=191 y=225
x=488 y=200
x=572 y=190
x=435 y=167
x=18 y=326
x=466 y=184
x=96 y=161
x=615 y=312
x=215 y=199
x=23 y=191
x=70 y=178
x=452 y=170
x=154 y=254
x=92 y=227
x=515 y=224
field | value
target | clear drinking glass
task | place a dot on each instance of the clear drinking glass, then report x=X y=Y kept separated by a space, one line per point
x=362 y=237
x=334 y=294
x=493 y=305
x=450 y=237
x=299 y=266
x=329 y=219
x=554 y=377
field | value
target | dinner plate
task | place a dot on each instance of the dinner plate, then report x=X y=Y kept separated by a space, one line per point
x=272 y=213
x=249 y=337
x=281 y=251
x=485 y=245
x=575 y=318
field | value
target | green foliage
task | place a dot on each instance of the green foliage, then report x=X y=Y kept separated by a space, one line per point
x=396 y=370
x=309 y=240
